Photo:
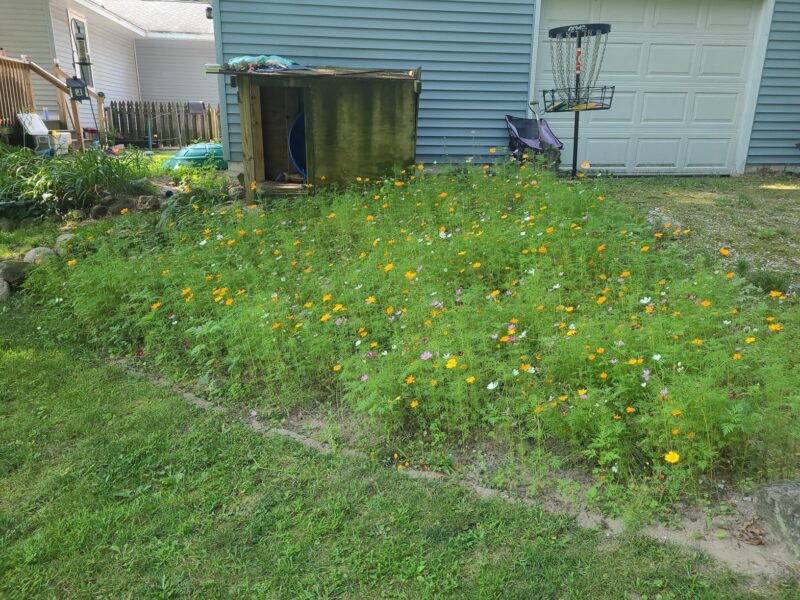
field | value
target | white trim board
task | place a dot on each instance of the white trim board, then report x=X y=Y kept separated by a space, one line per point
x=748 y=113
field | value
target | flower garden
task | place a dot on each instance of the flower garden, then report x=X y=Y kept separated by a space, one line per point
x=480 y=303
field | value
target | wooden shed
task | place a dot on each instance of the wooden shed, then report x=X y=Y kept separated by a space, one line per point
x=325 y=124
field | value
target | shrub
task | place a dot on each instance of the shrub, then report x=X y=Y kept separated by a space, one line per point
x=36 y=184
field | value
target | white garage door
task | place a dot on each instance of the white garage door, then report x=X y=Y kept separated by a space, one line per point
x=681 y=68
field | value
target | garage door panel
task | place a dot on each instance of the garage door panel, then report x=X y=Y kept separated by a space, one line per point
x=722 y=61
x=624 y=112
x=680 y=68
x=707 y=153
x=658 y=152
x=621 y=60
x=608 y=153
x=664 y=107
x=632 y=13
x=683 y=14
x=670 y=60
x=732 y=16
x=711 y=107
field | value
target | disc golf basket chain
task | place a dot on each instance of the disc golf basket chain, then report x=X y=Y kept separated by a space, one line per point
x=577 y=53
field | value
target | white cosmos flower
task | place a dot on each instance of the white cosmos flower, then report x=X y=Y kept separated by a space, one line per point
x=203 y=242
x=645 y=300
x=656 y=357
x=492 y=385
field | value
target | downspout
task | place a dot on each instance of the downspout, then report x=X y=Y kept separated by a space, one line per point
x=138 y=79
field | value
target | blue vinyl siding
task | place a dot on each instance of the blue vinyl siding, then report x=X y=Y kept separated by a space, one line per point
x=475 y=57
x=776 y=127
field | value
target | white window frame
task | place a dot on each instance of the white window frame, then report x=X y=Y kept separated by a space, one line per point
x=79 y=71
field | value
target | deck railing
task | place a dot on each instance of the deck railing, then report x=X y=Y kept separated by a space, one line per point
x=17 y=96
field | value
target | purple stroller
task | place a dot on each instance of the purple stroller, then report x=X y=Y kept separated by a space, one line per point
x=531 y=134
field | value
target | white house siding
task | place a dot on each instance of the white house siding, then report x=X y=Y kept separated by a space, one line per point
x=175 y=70
x=475 y=57
x=24 y=29
x=112 y=51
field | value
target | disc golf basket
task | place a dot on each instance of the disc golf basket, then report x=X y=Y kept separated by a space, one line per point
x=577 y=53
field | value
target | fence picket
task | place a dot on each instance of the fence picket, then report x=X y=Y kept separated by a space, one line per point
x=172 y=123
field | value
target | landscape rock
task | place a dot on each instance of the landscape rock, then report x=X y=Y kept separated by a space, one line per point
x=6 y=224
x=119 y=205
x=5 y=290
x=147 y=203
x=13 y=272
x=779 y=505
x=98 y=211
x=38 y=255
x=236 y=192
x=62 y=243
x=107 y=200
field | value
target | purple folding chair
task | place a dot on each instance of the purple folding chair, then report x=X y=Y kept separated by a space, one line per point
x=530 y=134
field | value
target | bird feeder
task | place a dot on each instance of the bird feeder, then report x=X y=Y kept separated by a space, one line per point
x=77 y=89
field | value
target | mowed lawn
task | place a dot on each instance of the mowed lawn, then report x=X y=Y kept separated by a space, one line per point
x=111 y=487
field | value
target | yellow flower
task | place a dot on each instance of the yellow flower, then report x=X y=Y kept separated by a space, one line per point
x=388 y=267
x=370 y=300
x=324 y=317
x=229 y=301
x=410 y=379
x=253 y=185
x=492 y=150
x=451 y=363
x=337 y=368
x=410 y=275
x=697 y=342
x=188 y=298
x=705 y=303
x=476 y=265
x=398 y=184
x=326 y=297
x=724 y=251
x=775 y=327
x=332 y=215
x=730 y=275
x=538 y=409
x=736 y=356
x=601 y=299
x=124 y=211
x=672 y=457
x=185 y=291
x=470 y=380
x=585 y=164
x=72 y=262
x=414 y=403
x=630 y=410
x=582 y=392
x=155 y=305
x=165 y=272
x=603 y=375
x=677 y=412
x=749 y=340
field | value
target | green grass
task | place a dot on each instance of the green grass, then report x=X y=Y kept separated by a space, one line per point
x=757 y=216
x=15 y=243
x=111 y=487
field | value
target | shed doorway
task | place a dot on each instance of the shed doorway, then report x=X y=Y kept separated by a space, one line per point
x=283 y=131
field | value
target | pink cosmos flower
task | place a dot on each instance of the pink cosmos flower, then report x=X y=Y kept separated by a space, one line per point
x=425 y=355
x=364 y=377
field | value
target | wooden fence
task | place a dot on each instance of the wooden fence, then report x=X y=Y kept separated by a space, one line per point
x=172 y=124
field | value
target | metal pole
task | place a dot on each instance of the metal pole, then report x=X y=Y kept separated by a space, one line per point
x=578 y=59
x=150 y=133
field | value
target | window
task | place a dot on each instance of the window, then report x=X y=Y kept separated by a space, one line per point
x=80 y=48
